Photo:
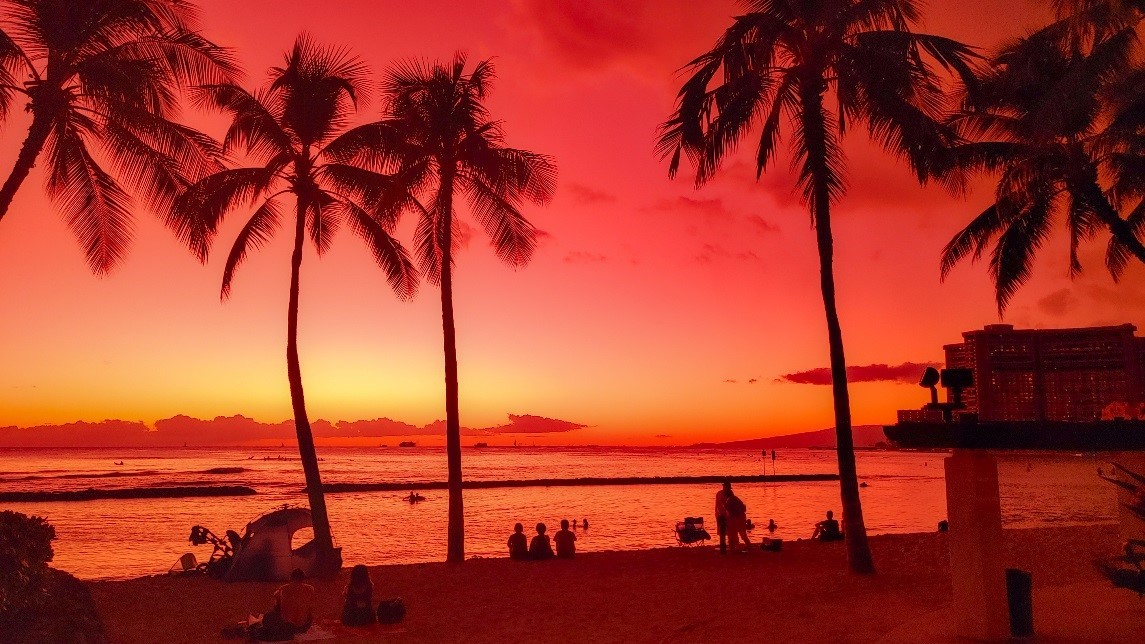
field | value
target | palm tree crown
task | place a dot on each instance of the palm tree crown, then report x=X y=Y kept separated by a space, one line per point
x=1057 y=118
x=290 y=127
x=778 y=64
x=102 y=79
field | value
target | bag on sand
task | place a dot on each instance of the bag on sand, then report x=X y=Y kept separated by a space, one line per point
x=391 y=611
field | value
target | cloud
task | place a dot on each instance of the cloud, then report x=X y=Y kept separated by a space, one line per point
x=1058 y=303
x=590 y=196
x=377 y=427
x=237 y=430
x=584 y=257
x=905 y=373
x=710 y=253
x=530 y=424
x=712 y=210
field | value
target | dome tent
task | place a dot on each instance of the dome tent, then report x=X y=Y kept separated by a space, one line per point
x=265 y=554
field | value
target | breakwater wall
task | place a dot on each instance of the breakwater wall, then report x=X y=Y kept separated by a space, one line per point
x=334 y=488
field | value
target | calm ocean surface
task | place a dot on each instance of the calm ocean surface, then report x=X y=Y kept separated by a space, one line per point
x=129 y=538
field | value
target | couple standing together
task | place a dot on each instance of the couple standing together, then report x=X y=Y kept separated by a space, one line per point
x=731 y=519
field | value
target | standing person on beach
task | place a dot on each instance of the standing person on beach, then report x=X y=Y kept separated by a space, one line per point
x=736 y=520
x=722 y=515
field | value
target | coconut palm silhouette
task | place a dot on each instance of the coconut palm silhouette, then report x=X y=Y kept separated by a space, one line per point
x=778 y=64
x=289 y=127
x=102 y=79
x=439 y=137
x=1057 y=118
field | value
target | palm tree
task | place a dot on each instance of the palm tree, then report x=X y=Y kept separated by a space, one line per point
x=1052 y=117
x=779 y=64
x=102 y=79
x=287 y=128
x=438 y=134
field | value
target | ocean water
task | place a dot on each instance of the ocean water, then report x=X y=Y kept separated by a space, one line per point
x=905 y=492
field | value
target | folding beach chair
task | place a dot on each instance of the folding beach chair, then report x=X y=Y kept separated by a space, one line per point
x=690 y=531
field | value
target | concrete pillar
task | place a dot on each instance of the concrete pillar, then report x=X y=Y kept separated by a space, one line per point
x=977 y=571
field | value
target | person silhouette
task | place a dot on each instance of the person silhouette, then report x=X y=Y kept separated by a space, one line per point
x=541 y=548
x=518 y=547
x=722 y=515
x=827 y=529
x=565 y=541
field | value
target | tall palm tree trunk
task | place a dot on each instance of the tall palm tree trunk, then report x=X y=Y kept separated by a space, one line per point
x=26 y=160
x=855 y=530
x=455 y=539
x=321 y=520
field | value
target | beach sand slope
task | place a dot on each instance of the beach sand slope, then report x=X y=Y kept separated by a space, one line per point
x=802 y=594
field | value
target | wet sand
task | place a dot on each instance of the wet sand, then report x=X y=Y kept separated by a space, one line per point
x=803 y=593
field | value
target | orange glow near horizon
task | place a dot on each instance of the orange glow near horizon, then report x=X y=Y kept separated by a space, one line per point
x=644 y=299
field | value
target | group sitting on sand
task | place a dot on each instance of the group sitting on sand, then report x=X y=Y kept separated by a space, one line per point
x=293 y=612
x=540 y=548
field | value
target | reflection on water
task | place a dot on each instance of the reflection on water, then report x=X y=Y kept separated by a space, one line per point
x=126 y=538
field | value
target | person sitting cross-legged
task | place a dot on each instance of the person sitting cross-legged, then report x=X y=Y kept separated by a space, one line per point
x=828 y=529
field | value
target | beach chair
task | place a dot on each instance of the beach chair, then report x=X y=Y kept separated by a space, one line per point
x=184 y=565
x=690 y=531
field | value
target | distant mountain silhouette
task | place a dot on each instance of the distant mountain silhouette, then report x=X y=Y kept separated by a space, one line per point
x=865 y=436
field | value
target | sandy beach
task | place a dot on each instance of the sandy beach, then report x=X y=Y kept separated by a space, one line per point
x=803 y=593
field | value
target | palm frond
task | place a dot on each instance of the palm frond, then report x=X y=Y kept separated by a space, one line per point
x=257 y=231
x=319 y=88
x=321 y=219
x=385 y=196
x=12 y=66
x=254 y=127
x=1012 y=259
x=1117 y=254
x=972 y=240
x=96 y=208
x=429 y=240
x=195 y=215
x=513 y=238
x=389 y=254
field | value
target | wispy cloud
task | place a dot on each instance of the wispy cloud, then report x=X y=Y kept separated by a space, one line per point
x=905 y=373
x=586 y=195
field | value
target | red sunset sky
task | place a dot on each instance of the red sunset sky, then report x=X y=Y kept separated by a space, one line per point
x=645 y=299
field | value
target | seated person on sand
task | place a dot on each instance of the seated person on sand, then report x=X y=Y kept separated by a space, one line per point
x=540 y=548
x=565 y=540
x=518 y=546
x=359 y=607
x=827 y=529
x=292 y=613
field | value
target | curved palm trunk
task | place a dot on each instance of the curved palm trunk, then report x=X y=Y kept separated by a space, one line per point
x=854 y=528
x=26 y=160
x=455 y=539
x=323 y=541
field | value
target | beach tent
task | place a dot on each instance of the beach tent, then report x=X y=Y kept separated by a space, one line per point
x=265 y=554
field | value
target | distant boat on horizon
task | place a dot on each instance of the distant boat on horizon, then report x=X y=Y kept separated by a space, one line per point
x=481 y=444
x=407 y=444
